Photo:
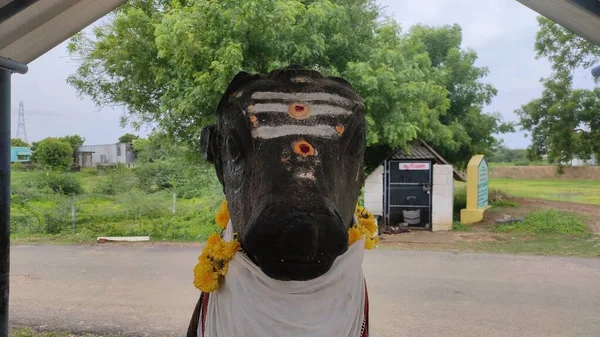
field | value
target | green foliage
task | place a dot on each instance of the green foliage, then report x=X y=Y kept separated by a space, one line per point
x=75 y=141
x=128 y=138
x=458 y=226
x=62 y=183
x=17 y=166
x=54 y=154
x=564 y=122
x=505 y=155
x=505 y=204
x=90 y=171
x=158 y=176
x=169 y=62
x=116 y=202
x=460 y=201
x=564 y=49
x=471 y=130
x=17 y=142
x=548 y=222
x=582 y=191
x=115 y=182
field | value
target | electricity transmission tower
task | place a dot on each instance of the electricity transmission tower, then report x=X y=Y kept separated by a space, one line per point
x=21 y=132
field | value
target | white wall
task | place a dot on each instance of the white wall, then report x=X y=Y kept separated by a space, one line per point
x=108 y=154
x=374 y=192
x=443 y=198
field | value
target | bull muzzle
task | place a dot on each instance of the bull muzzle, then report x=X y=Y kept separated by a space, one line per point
x=295 y=242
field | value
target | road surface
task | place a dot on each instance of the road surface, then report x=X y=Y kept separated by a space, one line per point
x=148 y=291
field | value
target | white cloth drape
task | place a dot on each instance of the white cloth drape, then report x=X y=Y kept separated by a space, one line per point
x=248 y=303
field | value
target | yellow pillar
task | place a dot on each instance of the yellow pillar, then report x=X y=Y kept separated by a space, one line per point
x=477 y=191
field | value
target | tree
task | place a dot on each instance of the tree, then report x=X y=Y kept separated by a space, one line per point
x=564 y=122
x=566 y=50
x=75 y=141
x=18 y=142
x=168 y=62
x=505 y=155
x=54 y=154
x=128 y=138
x=473 y=130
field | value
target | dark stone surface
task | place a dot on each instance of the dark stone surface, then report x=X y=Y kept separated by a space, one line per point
x=290 y=204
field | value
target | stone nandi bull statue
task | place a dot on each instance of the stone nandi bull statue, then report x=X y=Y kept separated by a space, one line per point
x=288 y=149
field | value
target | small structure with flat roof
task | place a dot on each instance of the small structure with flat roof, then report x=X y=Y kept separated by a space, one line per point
x=413 y=187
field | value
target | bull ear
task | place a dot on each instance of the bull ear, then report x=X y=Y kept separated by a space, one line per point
x=242 y=78
x=207 y=142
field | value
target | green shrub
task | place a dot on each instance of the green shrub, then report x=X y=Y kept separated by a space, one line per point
x=548 y=222
x=54 y=154
x=63 y=183
x=17 y=167
x=92 y=171
x=157 y=176
x=505 y=204
x=115 y=182
x=458 y=226
x=522 y=163
x=460 y=201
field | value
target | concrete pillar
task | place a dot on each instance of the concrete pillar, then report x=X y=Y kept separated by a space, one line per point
x=442 y=207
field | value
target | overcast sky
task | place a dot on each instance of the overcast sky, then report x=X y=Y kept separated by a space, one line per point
x=501 y=31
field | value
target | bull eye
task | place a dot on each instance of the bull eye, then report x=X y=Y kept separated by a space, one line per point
x=233 y=146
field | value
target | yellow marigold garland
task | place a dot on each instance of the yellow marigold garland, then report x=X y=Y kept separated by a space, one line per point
x=366 y=227
x=213 y=262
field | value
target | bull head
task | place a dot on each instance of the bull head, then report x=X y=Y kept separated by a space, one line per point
x=288 y=149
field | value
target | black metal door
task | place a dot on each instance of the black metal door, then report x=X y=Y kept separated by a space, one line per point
x=408 y=197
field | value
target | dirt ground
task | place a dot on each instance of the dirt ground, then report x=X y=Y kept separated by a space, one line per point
x=418 y=239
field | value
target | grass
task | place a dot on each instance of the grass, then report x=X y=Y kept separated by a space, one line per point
x=458 y=226
x=542 y=222
x=27 y=332
x=112 y=204
x=542 y=232
x=582 y=191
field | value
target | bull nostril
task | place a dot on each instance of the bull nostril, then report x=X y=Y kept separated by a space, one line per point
x=304 y=149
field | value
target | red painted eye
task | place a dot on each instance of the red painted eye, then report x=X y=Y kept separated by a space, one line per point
x=299 y=108
x=304 y=148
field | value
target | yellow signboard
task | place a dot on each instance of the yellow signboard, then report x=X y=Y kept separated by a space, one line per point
x=477 y=190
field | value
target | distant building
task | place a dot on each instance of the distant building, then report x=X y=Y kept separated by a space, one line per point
x=20 y=154
x=580 y=162
x=105 y=155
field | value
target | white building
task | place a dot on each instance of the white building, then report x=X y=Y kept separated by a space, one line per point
x=105 y=155
x=414 y=188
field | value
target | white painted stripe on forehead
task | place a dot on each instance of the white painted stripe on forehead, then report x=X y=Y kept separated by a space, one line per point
x=270 y=132
x=315 y=109
x=302 y=96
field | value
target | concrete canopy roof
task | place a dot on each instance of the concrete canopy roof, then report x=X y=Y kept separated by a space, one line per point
x=30 y=28
x=580 y=16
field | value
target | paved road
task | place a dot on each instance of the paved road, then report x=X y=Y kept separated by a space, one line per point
x=147 y=291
